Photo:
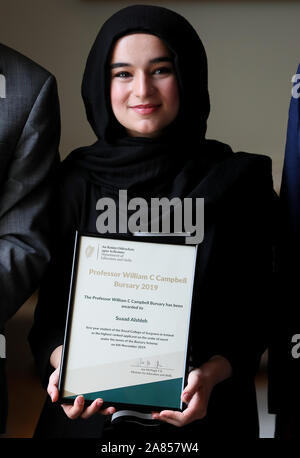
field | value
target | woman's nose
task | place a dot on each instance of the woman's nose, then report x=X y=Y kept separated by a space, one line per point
x=143 y=86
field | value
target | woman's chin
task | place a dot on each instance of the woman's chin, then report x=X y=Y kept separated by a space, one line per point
x=146 y=133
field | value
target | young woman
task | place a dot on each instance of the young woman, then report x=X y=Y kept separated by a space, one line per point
x=146 y=98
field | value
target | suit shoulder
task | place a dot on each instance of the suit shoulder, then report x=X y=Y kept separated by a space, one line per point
x=14 y=63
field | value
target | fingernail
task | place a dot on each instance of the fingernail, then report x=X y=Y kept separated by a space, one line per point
x=99 y=402
x=80 y=400
x=186 y=395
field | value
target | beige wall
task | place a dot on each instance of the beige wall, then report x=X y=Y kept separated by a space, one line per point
x=252 y=47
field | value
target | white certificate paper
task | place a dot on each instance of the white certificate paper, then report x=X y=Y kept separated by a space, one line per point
x=128 y=322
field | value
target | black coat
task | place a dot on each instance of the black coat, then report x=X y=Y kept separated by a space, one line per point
x=233 y=291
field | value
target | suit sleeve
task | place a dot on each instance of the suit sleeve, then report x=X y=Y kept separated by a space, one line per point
x=25 y=219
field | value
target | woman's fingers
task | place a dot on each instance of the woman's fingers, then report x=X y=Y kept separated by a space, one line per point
x=95 y=407
x=74 y=411
x=196 y=410
x=169 y=416
x=52 y=389
x=194 y=382
x=77 y=409
x=92 y=409
x=108 y=411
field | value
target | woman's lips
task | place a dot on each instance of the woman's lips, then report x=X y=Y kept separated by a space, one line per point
x=145 y=109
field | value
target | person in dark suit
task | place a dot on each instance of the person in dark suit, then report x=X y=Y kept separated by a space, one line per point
x=29 y=138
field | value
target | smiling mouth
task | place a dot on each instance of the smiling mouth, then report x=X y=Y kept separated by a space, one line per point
x=146 y=109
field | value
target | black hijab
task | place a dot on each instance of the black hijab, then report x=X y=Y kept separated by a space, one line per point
x=172 y=164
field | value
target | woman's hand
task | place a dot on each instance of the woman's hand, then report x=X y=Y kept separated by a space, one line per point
x=77 y=409
x=197 y=392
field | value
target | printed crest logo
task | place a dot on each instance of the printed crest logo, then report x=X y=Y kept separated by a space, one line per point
x=89 y=251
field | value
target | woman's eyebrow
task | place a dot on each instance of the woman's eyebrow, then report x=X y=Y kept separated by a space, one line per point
x=119 y=64
x=152 y=61
x=161 y=59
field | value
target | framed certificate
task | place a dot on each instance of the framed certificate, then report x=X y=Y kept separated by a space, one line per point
x=127 y=329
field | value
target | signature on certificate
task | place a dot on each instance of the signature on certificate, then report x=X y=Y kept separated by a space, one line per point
x=154 y=364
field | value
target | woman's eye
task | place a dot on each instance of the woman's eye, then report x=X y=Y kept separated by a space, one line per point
x=162 y=70
x=122 y=75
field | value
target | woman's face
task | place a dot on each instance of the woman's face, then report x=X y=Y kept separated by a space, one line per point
x=144 y=90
